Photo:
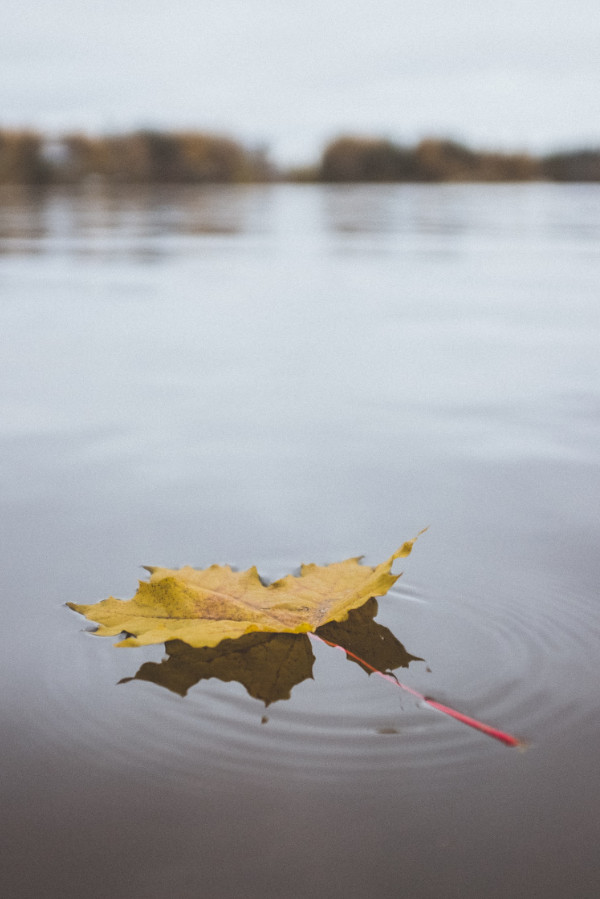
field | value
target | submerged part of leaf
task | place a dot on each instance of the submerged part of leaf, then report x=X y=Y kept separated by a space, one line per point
x=203 y=607
x=270 y=665
x=267 y=665
x=368 y=639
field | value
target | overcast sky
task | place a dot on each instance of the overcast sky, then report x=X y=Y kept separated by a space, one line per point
x=293 y=73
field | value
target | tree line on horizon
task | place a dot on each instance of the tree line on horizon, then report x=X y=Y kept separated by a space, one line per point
x=159 y=157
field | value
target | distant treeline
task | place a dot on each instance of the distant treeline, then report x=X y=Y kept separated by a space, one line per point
x=151 y=157
x=367 y=159
x=143 y=157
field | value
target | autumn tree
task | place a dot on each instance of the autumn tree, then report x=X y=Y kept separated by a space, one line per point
x=578 y=165
x=366 y=159
x=21 y=158
x=162 y=157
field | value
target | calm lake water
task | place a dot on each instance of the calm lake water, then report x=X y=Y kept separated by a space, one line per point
x=286 y=374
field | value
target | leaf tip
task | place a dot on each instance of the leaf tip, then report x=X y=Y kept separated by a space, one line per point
x=406 y=548
x=76 y=607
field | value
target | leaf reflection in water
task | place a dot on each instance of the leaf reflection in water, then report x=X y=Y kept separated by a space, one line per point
x=270 y=665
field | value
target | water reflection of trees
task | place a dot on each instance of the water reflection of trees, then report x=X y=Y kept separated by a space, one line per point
x=99 y=219
x=270 y=665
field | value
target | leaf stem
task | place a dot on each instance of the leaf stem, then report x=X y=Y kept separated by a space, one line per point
x=500 y=735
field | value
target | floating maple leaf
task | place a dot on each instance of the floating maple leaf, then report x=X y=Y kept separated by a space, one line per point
x=203 y=607
x=193 y=611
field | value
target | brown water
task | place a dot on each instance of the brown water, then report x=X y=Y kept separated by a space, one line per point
x=284 y=374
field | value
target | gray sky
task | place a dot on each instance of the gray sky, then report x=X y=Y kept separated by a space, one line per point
x=293 y=74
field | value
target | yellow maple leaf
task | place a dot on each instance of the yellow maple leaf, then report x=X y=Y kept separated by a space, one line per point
x=203 y=607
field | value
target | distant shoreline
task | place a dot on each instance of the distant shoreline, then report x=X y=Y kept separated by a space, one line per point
x=28 y=157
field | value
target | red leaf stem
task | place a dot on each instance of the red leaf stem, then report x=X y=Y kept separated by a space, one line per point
x=500 y=735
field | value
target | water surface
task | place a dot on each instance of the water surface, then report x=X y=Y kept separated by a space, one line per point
x=285 y=374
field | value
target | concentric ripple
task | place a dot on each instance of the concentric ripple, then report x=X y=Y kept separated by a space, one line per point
x=505 y=664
